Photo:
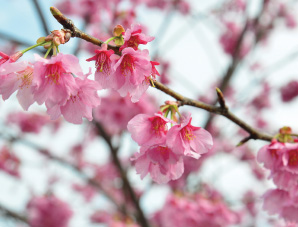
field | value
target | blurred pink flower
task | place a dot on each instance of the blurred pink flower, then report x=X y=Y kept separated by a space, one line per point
x=115 y=111
x=289 y=91
x=48 y=211
x=28 y=122
x=9 y=163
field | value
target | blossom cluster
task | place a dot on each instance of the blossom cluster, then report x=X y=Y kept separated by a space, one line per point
x=163 y=150
x=61 y=85
x=48 y=211
x=281 y=158
x=51 y=81
x=205 y=208
x=129 y=73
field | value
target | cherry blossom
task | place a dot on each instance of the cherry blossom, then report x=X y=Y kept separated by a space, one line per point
x=53 y=79
x=160 y=161
x=48 y=211
x=148 y=130
x=103 y=65
x=189 y=140
x=134 y=37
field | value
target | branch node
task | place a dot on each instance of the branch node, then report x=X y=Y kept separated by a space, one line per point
x=246 y=139
x=221 y=99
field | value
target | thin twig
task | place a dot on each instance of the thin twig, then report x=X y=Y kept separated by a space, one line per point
x=236 y=58
x=64 y=162
x=221 y=99
x=11 y=214
x=42 y=18
x=255 y=134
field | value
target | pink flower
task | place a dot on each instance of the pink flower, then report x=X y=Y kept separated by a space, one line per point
x=280 y=202
x=103 y=65
x=10 y=59
x=79 y=104
x=28 y=122
x=270 y=155
x=87 y=191
x=17 y=76
x=9 y=163
x=154 y=71
x=229 y=38
x=115 y=111
x=160 y=161
x=189 y=140
x=134 y=37
x=131 y=72
x=147 y=130
x=262 y=100
x=200 y=209
x=290 y=158
x=48 y=211
x=289 y=91
x=53 y=80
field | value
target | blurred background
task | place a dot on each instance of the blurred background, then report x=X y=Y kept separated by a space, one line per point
x=247 y=48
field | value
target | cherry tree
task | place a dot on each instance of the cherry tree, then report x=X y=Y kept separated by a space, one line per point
x=191 y=126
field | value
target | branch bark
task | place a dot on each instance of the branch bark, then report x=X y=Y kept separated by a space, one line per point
x=11 y=214
x=127 y=186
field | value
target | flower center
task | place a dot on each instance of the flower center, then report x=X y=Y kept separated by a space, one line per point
x=74 y=98
x=159 y=126
x=164 y=151
x=54 y=72
x=127 y=64
x=187 y=133
x=103 y=63
x=26 y=76
x=293 y=158
x=133 y=42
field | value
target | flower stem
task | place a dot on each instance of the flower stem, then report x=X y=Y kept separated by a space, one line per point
x=48 y=51
x=32 y=47
x=110 y=39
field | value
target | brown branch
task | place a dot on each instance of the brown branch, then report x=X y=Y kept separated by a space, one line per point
x=221 y=99
x=236 y=59
x=13 y=215
x=141 y=217
x=75 y=32
x=255 y=134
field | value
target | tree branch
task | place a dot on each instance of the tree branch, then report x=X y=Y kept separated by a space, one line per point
x=75 y=32
x=64 y=162
x=42 y=18
x=13 y=215
x=255 y=134
x=67 y=24
x=142 y=219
